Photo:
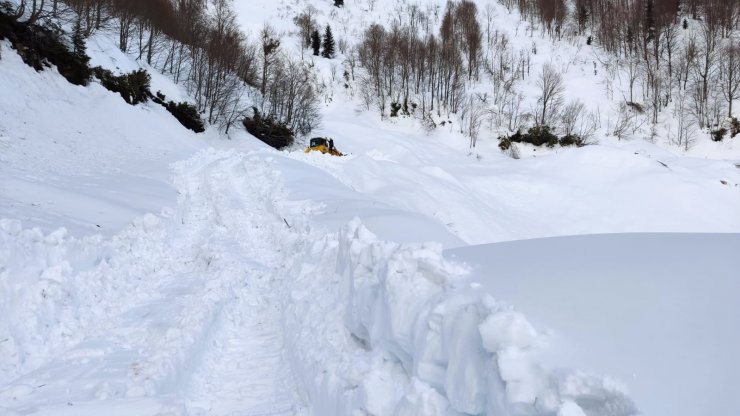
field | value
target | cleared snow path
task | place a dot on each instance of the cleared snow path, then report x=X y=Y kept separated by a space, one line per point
x=189 y=320
x=242 y=371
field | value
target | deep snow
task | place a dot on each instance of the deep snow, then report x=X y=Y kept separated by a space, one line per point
x=657 y=311
x=239 y=281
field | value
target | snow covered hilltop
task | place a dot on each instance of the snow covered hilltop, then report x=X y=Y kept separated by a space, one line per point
x=537 y=211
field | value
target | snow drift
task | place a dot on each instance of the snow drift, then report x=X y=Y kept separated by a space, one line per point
x=398 y=334
x=659 y=311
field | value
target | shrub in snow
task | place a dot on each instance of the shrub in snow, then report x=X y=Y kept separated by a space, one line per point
x=269 y=130
x=719 y=134
x=134 y=87
x=186 y=113
x=734 y=127
x=504 y=143
x=541 y=135
x=395 y=108
x=571 y=140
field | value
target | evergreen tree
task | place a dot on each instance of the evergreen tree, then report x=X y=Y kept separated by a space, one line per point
x=316 y=42
x=328 y=45
x=78 y=43
x=338 y=3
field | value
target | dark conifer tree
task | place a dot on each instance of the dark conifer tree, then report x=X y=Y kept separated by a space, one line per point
x=316 y=42
x=339 y=3
x=78 y=43
x=328 y=46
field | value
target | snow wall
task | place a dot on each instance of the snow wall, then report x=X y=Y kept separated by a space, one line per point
x=381 y=328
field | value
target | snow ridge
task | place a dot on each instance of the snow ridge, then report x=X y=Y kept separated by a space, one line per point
x=405 y=338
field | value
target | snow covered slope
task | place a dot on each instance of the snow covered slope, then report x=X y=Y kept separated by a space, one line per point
x=80 y=157
x=484 y=196
x=657 y=311
x=590 y=76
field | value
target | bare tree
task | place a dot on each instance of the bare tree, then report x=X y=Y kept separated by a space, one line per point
x=729 y=74
x=270 y=45
x=550 y=83
x=685 y=126
x=704 y=69
x=571 y=116
x=466 y=20
x=306 y=23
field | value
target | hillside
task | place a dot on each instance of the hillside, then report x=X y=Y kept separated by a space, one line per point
x=147 y=269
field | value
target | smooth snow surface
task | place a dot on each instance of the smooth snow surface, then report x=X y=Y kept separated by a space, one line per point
x=658 y=311
x=80 y=157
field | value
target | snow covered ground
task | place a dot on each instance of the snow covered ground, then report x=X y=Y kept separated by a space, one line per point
x=245 y=281
x=80 y=157
x=657 y=311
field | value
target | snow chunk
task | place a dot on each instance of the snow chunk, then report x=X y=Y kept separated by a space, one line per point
x=506 y=330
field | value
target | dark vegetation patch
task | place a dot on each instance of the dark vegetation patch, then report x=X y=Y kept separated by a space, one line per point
x=269 y=130
x=719 y=134
x=134 y=87
x=42 y=48
x=540 y=136
x=186 y=113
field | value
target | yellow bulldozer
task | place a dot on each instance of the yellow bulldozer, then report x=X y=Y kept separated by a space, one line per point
x=323 y=145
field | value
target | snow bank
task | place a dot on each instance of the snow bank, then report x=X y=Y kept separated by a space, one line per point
x=658 y=311
x=393 y=332
x=54 y=288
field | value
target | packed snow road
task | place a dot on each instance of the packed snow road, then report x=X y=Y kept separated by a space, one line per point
x=176 y=315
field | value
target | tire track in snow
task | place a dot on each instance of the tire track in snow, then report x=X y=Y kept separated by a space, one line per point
x=207 y=338
x=243 y=371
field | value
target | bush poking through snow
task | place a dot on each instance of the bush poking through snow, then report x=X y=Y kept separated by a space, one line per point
x=570 y=140
x=186 y=113
x=719 y=134
x=734 y=127
x=269 y=130
x=539 y=136
x=504 y=143
x=134 y=87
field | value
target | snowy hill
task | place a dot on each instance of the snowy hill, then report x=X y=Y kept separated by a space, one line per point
x=81 y=157
x=148 y=270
